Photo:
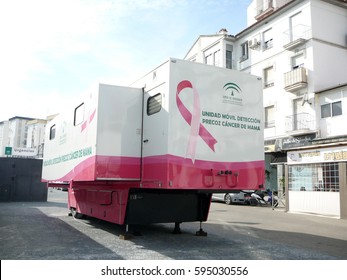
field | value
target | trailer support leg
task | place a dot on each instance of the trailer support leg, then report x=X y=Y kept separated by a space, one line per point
x=177 y=229
x=136 y=230
x=126 y=235
x=201 y=232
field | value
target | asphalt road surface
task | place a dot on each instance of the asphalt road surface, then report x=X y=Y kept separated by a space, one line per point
x=44 y=231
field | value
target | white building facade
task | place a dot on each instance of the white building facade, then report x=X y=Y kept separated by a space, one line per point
x=36 y=135
x=4 y=139
x=22 y=137
x=299 y=48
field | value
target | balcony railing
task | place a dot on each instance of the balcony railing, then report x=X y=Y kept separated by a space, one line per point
x=264 y=10
x=300 y=122
x=295 y=79
x=296 y=36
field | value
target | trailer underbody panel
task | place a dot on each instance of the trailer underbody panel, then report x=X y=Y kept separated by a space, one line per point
x=123 y=205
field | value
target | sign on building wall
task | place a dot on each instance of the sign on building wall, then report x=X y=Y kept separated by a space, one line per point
x=299 y=141
x=8 y=151
x=20 y=152
x=332 y=154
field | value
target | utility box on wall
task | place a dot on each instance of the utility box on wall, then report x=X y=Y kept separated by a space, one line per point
x=20 y=180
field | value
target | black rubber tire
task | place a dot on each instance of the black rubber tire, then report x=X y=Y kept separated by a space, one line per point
x=253 y=202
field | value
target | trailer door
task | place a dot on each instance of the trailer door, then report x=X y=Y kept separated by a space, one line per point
x=119 y=133
x=155 y=128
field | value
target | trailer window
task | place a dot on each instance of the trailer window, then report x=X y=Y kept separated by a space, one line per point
x=154 y=104
x=79 y=115
x=52 y=132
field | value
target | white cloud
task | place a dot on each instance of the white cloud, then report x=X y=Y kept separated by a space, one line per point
x=52 y=50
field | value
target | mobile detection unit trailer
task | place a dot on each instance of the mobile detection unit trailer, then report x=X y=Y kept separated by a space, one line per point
x=156 y=151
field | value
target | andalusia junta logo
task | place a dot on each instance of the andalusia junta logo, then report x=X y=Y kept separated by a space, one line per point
x=232 y=87
x=232 y=94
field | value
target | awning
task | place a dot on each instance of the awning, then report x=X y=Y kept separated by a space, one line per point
x=278 y=158
x=269 y=148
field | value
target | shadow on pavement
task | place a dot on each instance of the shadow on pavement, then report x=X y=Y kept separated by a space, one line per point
x=28 y=233
x=44 y=231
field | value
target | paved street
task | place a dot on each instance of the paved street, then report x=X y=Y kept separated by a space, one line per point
x=43 y=230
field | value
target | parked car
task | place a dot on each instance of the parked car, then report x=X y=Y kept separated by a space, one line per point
x=229 y=198
x=62 y=189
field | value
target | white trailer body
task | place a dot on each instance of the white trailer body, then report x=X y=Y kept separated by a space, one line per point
x=99 y=138
x=176 y=135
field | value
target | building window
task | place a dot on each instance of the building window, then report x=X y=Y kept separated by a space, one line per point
x=294 y=26
x=298 y=61
x=244 y=51
x=154 y=104
x=331 y=109
x=79 y=114
x=269 y=116
x=216 y=58
x=228 y=60
x=268 y=77
x=336 y=108
x=213 y=58
x=209 y=59
x=325 y=111
x=268 y=40
x=314 y=177
x=229 y=57
x=52 y=132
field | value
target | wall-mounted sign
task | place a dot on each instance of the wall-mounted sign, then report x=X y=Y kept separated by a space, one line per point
x=20 y=152
x=298 y=141
x=8 y=151
x=317 y=155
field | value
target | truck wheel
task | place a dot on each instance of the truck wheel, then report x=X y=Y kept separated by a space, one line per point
x=76 y=214
x=227 y=199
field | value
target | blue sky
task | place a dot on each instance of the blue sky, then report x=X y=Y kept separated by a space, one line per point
x=53 y=50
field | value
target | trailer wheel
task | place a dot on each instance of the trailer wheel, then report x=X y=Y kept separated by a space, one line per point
x=76 y=214
x=227 y=199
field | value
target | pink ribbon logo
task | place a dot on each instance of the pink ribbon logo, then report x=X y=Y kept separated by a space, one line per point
x=193 y=119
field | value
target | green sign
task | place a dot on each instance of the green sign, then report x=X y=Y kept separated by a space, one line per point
x=8 y=151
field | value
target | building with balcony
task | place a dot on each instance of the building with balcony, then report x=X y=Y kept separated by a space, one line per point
x=299 y=48
x=295 y=79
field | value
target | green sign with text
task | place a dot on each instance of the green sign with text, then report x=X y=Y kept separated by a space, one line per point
x=8 y=151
